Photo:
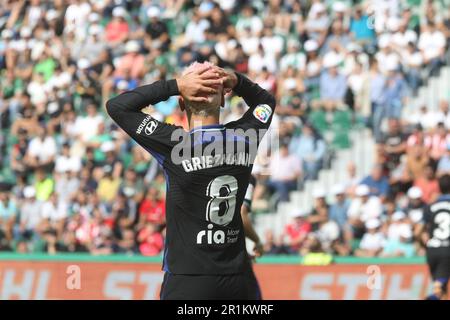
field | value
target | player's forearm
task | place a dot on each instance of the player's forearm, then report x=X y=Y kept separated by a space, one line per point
x=141 y=97
x=252 y=93
x=248 y=227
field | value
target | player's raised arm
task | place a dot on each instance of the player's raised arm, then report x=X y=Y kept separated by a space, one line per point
x=191 y=86
x=154 y=136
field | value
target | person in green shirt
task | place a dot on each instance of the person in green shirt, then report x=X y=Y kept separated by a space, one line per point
x=44 y=185
x=46 y=66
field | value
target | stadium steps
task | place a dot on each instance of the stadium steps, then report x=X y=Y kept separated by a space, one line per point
x=437 y=88
x=361 y=152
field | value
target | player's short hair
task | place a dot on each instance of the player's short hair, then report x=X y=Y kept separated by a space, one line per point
x=214 y=100
x=444 y=184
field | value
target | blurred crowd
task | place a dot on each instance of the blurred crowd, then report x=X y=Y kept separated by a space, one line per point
x=71 y=181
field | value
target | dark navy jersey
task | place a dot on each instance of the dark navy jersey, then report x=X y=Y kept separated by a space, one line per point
x=437 y=220
x=207 y=173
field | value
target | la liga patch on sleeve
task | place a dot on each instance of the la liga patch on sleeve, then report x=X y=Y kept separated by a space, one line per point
x=262 y=112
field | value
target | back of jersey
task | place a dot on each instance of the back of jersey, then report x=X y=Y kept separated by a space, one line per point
x=207 y=173
x=205 y=193
x=437 y=219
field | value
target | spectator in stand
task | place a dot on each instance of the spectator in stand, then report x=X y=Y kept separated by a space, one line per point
x=29 y=213
x=395 y=90
x=319 y=212
x=373 y=241
x=313 y=252
x=8 y=215
x=317 y=22
x=41 y=151
x=437 y=142
x=417 y=160
x=394 y=143
x=416 y=138
x=428 y=184
x=403 y=247
x=117 y=29
x=443 y=166
x=310 y=149
x=377 y=182
x=298 y=230
x=294 y=57
x=285 y=170
x=333 y=84
x=339 y=209
x=153 y=207
x=352 y=179
x=151 y=242
x=432 y=44
x=415 y=211
x=443 y=115
x=362 y=208
x=274 y=245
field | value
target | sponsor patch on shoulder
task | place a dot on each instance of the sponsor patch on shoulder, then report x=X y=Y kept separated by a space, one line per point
x=262 y=112
x=148 y=125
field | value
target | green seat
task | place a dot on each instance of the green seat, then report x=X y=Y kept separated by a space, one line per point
x=342 y=120
x=318 y=120
x=341 y=139
x=7 y=176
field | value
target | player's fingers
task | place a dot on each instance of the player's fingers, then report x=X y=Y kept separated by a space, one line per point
x=210 y=90
x=210 y=74
x=203 y=69
x=212 y=82
x=199 y=99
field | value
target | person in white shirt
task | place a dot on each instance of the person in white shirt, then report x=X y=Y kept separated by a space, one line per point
x=55 y=212
x=432 y=44
x=87 y=126
x=443 y=115
x=29 y=212
x=362 y=209
x=272 y=43
x=397 y=226
x=248 y=19
x=386 y=56
x=317 y=22
x=373 y=241
x=195 y=29
x=412 y=62
x=293 y=58
x=66 y=162
x=424 y=117
x=249 y=42
x=285 y=170
x=261 y=59
x=403 y=36
x=41 y=150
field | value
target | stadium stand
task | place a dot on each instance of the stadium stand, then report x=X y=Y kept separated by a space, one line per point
x=362 y=88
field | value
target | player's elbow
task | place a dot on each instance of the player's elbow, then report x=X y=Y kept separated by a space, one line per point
x=112 y=108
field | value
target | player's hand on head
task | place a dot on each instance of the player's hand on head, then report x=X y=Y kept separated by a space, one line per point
x=228 y=77
x=194 y=85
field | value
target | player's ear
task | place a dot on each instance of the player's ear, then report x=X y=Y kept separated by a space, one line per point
x=181 y=103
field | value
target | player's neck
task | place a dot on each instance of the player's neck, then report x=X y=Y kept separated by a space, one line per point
x=201 y=121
